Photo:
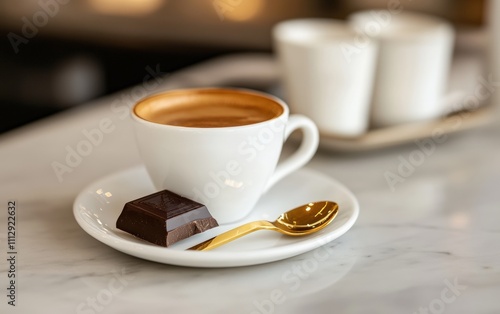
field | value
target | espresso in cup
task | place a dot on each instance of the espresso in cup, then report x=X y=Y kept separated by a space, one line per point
x=219 y=147
x=214 y=109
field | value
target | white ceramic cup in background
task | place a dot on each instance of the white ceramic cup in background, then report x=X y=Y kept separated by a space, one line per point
x=226 y=168
x=414 y=57
x=327 y=73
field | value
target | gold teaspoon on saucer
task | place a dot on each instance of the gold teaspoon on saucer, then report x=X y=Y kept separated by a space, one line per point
x=302 y=220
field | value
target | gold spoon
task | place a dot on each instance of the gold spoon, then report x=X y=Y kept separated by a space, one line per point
x=299 y=221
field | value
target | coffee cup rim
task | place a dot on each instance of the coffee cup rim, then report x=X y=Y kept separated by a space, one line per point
x=284 y=113
x=429 y=27
x=287 y=31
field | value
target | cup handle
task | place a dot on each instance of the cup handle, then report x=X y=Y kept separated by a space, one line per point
x=304 y=153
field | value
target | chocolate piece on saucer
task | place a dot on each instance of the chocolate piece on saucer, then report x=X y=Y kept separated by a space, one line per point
x=164 y=218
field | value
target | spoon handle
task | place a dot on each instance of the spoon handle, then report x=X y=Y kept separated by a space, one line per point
x=232 y=234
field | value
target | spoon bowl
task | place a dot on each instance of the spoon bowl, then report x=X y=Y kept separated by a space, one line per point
x=306 y=218
x=302 y=220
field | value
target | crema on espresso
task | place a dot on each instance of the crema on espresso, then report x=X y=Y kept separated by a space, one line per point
x=207 y=109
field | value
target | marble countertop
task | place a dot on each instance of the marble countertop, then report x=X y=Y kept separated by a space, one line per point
x=429 y=243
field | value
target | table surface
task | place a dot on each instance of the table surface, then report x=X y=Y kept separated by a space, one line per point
x=430 y=244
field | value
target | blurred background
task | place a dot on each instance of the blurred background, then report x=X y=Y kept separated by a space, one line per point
x=58 y=54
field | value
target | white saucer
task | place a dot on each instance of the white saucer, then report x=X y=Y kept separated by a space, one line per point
x=98 y=206
x=404 y=133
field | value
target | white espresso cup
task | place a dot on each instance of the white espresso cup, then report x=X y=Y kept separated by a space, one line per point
x=412 y=68
x=327 y=73
x=219 y=147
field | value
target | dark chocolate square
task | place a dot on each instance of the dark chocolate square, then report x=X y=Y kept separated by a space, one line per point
x=164 y=218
